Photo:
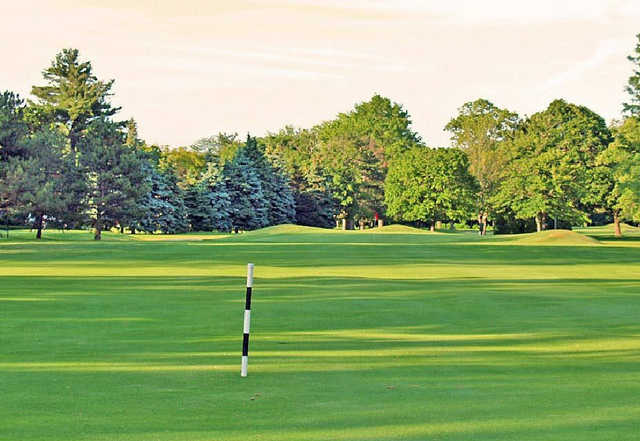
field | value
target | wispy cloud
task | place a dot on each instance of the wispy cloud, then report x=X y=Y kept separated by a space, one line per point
x=602 y=53
x=489 y=11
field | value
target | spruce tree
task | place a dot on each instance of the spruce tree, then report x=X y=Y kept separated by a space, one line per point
x=275 y=185
x=249 y=207
x=283 y=205
x=162 y=206
x=208 y=202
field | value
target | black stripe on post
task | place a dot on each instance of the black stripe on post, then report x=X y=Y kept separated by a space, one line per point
x=247 y=304
x=245 y=344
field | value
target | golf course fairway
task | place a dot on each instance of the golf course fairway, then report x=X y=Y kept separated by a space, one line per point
x=390 y=334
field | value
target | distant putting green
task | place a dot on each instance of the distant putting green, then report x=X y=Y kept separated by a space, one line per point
x=392 y=334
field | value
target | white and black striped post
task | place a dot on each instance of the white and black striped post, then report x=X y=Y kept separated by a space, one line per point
x=247 y=322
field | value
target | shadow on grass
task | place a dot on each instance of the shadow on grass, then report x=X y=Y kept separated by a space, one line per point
x=331 y=358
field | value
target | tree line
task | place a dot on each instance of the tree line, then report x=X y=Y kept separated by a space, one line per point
x=66 y=161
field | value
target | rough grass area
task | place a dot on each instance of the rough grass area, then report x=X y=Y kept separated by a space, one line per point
x=356 y=336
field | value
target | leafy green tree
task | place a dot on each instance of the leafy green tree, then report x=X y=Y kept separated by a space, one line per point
x=549 y=164
x=382 y=124
x=354 y=177
x=187 y=165
x=479 y=129
x=338 y=167
x=219 y=148
x=293 y=150
x=73 y=96
x=617 y=186
x=632 y=108
x=430 y=185
x=299 y=156
x=114 y=174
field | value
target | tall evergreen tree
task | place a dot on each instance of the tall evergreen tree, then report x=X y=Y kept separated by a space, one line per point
x=36 y=183
x=114 y=174
x=162 y=206
x=132 y=134
x=275 y=185
x=208 y=202
x=12 y=125
x=73 y=95
x=632 y=108
x=249 y=207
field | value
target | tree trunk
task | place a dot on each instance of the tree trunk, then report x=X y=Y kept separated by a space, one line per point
x=452 y=225
x=538 y=222
x=433 y=226
x=98 y=234
x=344 y=223
x=121 y=229
x=484 y=224
x=39 y=226
x=616 y=224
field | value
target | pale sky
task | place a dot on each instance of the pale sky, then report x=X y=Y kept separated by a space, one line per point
x=191 y=68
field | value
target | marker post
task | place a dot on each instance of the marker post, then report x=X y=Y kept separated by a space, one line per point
x=247 y=322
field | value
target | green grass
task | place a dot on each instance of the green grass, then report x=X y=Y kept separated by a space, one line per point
x=396 y=334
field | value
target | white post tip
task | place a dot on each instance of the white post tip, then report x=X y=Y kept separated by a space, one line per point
x=245 y=365
x=249 y=275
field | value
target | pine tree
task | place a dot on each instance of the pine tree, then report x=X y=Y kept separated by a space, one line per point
x=132 y=134
x=12 y=125
x=632 y=108
x=114 y=174
x=38 y=178
x=73 y=95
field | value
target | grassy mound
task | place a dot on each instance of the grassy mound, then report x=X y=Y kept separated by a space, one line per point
x=625 y=228
x=557 y=237
x=285 y=229
x=397 y=228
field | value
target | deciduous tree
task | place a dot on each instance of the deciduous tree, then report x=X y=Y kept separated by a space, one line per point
x=479 y=129
x=430 y=185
